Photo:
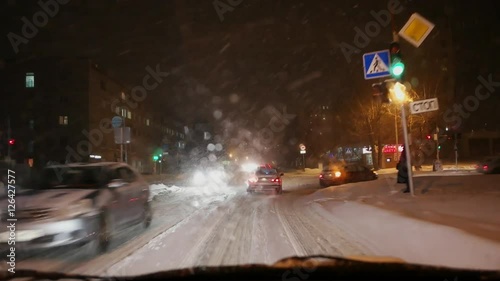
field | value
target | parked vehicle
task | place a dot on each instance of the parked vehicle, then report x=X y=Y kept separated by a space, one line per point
x=340 y=174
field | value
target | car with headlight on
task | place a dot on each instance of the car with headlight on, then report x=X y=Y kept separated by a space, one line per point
x=265 y=178
x=340 y=174
x=489 y=165
x=77 y=205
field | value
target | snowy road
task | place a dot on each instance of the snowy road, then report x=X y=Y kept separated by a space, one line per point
x=225 y=226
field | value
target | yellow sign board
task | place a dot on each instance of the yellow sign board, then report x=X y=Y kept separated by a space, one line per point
x=416 y=30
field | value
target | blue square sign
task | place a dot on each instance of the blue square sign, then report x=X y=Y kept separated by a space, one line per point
x=377 y=64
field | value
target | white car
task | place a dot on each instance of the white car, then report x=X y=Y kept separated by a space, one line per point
x=77 y=205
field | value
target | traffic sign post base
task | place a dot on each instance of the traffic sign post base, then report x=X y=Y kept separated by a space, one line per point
x=438 y=166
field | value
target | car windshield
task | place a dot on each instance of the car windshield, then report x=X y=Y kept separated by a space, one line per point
x=266 y=172
x=139 y=136
x=72 y=177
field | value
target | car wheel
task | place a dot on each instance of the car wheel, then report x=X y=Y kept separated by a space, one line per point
x=148 y=215
x=100 y=244
x=104 y=234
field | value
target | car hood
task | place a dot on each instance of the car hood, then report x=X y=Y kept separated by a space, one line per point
x=50 y=198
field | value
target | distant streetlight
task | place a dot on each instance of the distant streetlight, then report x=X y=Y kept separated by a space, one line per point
x=230 y=155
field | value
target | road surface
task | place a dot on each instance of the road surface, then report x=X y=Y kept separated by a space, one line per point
x=215 y=225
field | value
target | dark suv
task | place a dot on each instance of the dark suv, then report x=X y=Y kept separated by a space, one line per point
x=340 y=174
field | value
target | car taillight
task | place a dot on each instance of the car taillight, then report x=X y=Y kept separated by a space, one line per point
x=485 y=167
x=320 y=176
x=276 y=180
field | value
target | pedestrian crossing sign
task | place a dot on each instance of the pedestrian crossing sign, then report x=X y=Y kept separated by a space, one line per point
x=377 y=64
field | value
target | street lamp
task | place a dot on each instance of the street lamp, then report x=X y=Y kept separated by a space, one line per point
x=400 y=92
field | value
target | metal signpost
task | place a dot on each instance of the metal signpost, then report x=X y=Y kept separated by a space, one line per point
x=122 y=136
x=303 y=152
x=117 y=122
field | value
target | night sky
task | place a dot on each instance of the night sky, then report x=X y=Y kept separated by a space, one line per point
x=283 y=53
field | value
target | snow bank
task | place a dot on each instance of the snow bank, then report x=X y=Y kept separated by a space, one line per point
x=161 y=189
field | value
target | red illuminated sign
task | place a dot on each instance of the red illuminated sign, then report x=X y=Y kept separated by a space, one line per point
x=391 y=148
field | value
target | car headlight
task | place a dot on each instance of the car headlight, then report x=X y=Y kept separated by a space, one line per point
x=82 y=207
x=338 y=174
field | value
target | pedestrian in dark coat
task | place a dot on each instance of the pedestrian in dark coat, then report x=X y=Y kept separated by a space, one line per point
x=403 y=171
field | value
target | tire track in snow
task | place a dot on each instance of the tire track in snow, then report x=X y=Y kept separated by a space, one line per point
x=289 y=232
x=232 y=238
x=210 y=231
x=310 y=233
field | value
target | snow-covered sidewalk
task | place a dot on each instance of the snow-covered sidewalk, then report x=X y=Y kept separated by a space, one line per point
x=467 y=202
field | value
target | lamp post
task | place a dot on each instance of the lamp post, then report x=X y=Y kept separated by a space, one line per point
x=400 y=95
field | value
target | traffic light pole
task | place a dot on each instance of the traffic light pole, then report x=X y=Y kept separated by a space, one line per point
x=437 y=143
x=407 y=148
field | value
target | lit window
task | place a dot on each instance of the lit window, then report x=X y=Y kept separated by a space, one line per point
x=129 y=114
x=30 y=80
x=124 y=112
x=147 y=122
x=63 y=120
x=123 y=96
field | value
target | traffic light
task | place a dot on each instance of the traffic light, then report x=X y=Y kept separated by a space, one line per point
x=397 y=64
x=381 y=91
x=155 y=158
x=12 y=141
x=428 y=137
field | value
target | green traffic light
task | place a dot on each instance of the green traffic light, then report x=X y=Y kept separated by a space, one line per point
x=397 y=69
x=155 y=158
